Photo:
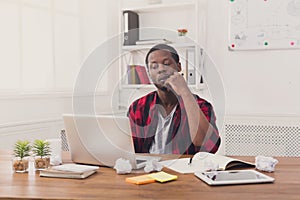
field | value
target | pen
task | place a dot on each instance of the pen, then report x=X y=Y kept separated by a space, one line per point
x=190 y=162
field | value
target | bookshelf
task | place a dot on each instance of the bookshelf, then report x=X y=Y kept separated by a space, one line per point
x=161 y=21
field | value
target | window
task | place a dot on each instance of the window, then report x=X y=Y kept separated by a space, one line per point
x=40 y=46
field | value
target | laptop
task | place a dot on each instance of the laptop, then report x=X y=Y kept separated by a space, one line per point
x=101 y=140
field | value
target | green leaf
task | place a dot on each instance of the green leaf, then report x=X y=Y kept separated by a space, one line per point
x=22 y=148
x=41 y=148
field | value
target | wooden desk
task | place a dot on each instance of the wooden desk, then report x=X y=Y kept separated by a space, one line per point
x=106 y=184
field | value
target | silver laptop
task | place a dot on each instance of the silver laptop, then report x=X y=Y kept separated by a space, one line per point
x=101 y=140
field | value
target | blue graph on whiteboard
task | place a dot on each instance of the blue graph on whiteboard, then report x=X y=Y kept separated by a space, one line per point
x=264 y=24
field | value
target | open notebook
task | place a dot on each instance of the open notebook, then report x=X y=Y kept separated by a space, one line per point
x=204 y=161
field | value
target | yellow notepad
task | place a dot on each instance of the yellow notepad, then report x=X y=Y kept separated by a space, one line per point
x=162 y=177
x=142 y=179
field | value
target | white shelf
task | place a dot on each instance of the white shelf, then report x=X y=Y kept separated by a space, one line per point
x=138 y=86
x=160 y=7
x=201 y=86
x=145 y=47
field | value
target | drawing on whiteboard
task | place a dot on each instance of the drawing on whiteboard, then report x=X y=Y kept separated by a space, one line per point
x=257 y=24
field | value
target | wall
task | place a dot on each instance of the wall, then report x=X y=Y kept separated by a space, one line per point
x=38 y=113
x=256 y=82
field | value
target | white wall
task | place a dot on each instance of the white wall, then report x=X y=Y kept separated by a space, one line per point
x=255 y=82
x=71 y=37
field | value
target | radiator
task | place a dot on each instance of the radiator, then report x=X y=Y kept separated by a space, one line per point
x=257 y=135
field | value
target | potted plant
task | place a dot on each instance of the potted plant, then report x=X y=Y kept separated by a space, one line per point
x=21 y=152
x=42 y=152
x=181 y=35
x=182 y=31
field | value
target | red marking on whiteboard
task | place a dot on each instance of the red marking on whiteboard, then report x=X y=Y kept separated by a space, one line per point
x=292 y=43
x=232 y=45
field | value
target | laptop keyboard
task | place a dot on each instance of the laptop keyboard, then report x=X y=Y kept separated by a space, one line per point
x=140 y=161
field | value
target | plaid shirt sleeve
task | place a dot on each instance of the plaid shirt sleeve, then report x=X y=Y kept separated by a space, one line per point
x=140 y=120
x=212 y=142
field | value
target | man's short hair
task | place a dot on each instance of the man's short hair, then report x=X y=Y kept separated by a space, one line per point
x=172 y=50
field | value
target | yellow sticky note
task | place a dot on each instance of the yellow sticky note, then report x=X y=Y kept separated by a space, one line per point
x=143 y=179
x=162 y=176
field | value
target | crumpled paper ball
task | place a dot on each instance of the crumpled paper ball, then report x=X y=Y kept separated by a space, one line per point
x=55 y=146
x=123 y=166
x=55 y=160
x=153 y=165
x=264 y=163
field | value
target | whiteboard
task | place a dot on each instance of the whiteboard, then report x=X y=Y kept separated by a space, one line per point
x=264 y=24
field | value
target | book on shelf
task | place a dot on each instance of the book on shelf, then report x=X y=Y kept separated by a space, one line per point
x=137 y=74
x=204 y=161
x=71 y=170
x=152 y=41
x=142 y=74
x=132 y=75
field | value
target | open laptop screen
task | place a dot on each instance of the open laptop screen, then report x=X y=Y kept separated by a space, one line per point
x=101 y=138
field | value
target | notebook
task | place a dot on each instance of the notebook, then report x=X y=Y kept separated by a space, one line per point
x=101 y=140
x=69 y=170
x=204 y=161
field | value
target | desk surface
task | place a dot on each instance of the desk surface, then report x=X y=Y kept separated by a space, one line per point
x=106 y=184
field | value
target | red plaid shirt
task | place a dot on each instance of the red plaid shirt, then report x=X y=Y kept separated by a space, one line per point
x=144 y=120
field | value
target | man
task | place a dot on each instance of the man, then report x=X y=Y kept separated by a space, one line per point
x=171 y=120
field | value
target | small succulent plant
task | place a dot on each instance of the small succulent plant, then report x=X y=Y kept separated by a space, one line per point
x=41 y=148
x=22 y=149
x=42 y=151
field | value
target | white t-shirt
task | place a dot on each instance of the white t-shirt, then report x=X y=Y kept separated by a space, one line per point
x=161 y=135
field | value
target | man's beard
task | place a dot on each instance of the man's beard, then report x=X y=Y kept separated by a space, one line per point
x=162 y=88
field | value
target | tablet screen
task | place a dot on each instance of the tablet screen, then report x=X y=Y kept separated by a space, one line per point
x=233 y=177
